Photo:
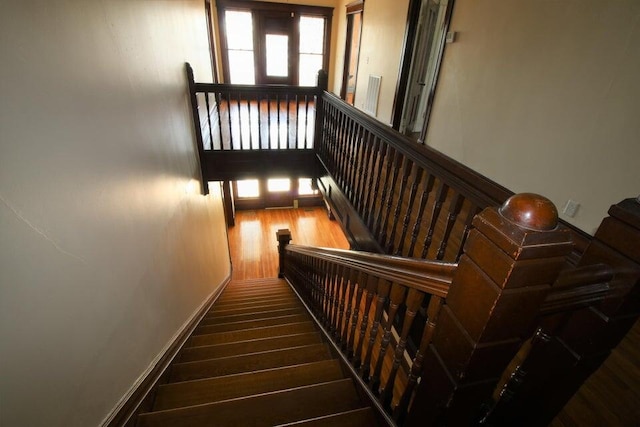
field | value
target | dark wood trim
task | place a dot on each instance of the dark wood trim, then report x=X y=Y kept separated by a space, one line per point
x=355 y=7
x=413 y=16
x=251 y=164
x=229 y=205
x=408 y=44
x=434 y=83
x=126 y=414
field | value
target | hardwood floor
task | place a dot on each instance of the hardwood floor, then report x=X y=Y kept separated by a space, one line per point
x=611 y=396
x=253 y=244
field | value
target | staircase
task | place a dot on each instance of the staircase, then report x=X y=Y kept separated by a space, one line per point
x=257 y=359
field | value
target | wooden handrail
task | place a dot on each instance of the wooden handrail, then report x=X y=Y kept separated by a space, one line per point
x=430 y=277
x=251 y=89
x=578 y=287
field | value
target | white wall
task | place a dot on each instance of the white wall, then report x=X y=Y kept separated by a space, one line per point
x=545 y=97
x=106 y=247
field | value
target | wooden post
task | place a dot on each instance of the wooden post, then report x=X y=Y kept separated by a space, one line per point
x=577 y=343
x=284 y=237
x=197 y=129
x=511 y=259
x=322 y=83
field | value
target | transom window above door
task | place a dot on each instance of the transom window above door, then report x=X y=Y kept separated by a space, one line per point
x=273 y=43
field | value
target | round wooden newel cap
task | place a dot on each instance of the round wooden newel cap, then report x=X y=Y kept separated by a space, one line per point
x=531 y=211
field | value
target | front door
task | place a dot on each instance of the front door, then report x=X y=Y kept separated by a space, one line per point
x=276 y=40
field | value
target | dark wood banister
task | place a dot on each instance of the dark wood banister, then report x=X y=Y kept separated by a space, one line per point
x=430 y=277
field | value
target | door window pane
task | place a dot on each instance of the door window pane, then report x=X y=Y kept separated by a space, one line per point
x=241 y=67
x=277 y=55
x=309 y=65
x=311 y=34
x=278 y=184
x=239 y=34
x=239 y=27
x=248 y=188
x=311 y=49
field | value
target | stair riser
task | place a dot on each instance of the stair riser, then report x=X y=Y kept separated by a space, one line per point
x=251 y=324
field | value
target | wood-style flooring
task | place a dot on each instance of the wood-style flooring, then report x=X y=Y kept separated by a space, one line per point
x=253 y=244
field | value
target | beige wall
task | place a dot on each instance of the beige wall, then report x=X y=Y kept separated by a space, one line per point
x=545 y=97
x=107 y=249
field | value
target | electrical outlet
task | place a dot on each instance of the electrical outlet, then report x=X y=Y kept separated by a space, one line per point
x=571 y=208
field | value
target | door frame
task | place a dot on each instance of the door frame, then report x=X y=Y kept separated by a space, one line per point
x=353 y=9
x=409 y=45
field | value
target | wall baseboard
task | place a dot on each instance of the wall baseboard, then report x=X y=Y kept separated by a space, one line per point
x=124 y=414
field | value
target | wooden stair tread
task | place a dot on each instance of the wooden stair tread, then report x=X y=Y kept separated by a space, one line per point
x=249 y=362
x=249 y=334
x=251 y=324
x=243 y=347
x=210 y=390
x=362 y=417
x=246 y=310
x=266 y=409
x=251 y=316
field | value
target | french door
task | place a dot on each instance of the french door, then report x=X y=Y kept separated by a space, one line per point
x=273 y=43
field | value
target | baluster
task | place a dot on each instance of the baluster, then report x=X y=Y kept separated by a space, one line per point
x=239 y=108
x=372 y=189
x=397 y=297
x=251 y=146
x=339 y=304
x=441 y=196
x=344 y=282
x=297 y=139
x=331 y=282
x=270 y=144
x=379 y=217
x=363 y=172
x=306 y=120
x=406 y=171
x=230 y=121
x=353 y=160
x=343 y=150
x=391 y=190
x=454 y=209
x=473 y=211
x=353 y=276
x=359 y=287
x=383 y=287
x=331 y=138
x=372 y=284
x=206 y=101
x=288 y=111
x=407 y=217
x=426 y=191
x=278 y=105
x=414 y=299
x=433 y=310
x=218 y=97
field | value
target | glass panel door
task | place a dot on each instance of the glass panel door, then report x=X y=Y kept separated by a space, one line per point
x=275 y=57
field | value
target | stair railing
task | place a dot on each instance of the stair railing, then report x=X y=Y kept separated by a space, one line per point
x=479 y=308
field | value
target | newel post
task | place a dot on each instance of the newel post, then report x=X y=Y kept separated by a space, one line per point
x=511 y=259
x=284 y=237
